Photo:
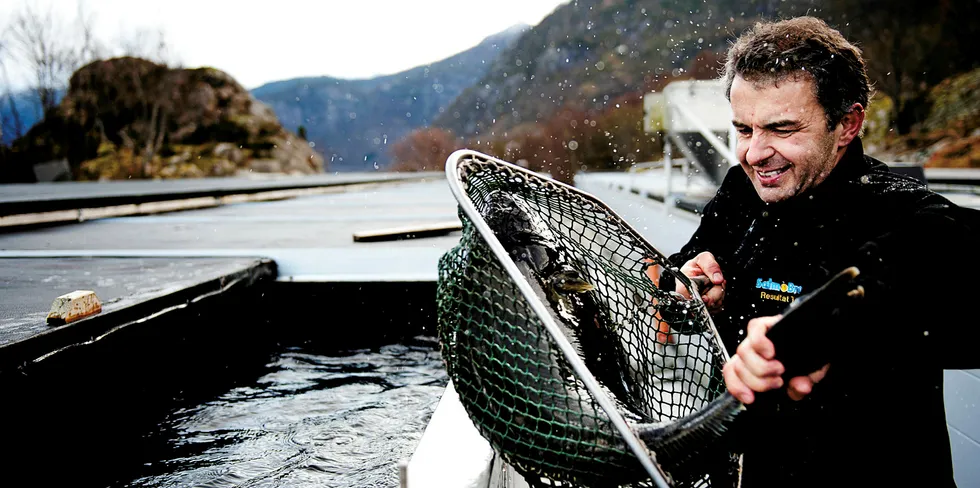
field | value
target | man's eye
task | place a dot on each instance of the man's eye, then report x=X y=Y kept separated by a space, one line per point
x=783 y=131
x=744 y=130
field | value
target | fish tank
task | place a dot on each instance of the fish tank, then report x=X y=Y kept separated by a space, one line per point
x=253 y=387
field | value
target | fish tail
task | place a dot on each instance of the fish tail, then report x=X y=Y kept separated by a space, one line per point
x=681 y=441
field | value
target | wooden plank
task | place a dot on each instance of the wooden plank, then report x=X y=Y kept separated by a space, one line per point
x=408 y=232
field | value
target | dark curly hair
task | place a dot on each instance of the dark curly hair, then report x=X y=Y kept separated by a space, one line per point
x=802 y=47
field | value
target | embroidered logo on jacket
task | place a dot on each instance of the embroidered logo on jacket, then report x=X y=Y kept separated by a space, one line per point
x=779 y=287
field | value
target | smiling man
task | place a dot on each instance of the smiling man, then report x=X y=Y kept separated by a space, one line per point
x=804 y=204
x=784 y=144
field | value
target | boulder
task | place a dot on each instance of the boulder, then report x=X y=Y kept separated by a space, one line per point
x=132 y=118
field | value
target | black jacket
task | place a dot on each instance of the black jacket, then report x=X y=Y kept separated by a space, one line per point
x=878 y=418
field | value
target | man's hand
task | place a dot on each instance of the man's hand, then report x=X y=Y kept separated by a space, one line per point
x=753 y=367
x=706 y=272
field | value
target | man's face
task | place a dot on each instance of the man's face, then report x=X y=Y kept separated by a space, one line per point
x=783 y=142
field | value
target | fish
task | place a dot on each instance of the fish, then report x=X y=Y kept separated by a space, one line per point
x=560 y=283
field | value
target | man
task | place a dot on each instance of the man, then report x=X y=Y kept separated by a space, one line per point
x=805 y=204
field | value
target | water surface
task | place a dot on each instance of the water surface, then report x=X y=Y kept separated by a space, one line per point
x=313 y=419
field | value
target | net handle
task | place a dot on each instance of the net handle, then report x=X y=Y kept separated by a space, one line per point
x=452 y=176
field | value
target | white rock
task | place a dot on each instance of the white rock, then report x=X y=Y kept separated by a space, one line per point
x=74 y=306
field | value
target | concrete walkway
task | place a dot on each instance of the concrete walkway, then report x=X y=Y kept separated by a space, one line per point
x=139 y=266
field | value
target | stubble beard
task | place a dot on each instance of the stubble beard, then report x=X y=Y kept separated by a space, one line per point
x=808 y=172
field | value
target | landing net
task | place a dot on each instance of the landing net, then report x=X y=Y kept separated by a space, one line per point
x=527 y=389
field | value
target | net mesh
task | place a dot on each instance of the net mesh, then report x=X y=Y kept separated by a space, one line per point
x=655 y=353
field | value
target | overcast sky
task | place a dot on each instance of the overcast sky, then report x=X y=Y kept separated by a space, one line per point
x=261 y=41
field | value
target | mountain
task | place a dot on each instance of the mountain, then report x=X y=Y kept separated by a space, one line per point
x=590 y=52
x=353 y=122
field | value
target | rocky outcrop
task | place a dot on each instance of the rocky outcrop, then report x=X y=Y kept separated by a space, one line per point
x=132 y=118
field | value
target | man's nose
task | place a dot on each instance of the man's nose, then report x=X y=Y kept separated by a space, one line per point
x=759 y=149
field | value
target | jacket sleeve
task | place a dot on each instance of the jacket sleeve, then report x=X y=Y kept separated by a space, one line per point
x=919 y=287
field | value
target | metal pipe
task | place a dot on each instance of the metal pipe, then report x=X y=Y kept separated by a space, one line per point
x=732 y=139
x=668 y=164
x=686 y=174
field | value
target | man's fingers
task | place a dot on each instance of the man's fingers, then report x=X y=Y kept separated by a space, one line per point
x=693 y=273
x=756 y=382
x=801 y=386
x=764 y=323
x=756 y=336
x=754 y=366
x=735 y=385
x=705 y=272
x=701 y=281
x=710 y=267
x=714 y=296
x=819 y=374
x=683 y=290
x=757 y=365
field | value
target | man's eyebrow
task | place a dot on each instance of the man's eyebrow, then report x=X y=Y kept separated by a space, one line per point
x=781 y=124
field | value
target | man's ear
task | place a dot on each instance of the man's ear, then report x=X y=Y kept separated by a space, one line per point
x=851 y=124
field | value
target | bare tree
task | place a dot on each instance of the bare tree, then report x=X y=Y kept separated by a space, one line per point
x=147 y=44
x=151 y=130
x=39 y=39
x=424 y=149
x=89 y=47
x=34 y=34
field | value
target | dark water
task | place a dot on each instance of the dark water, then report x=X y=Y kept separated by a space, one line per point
x=311 y=420
x=246 y=388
